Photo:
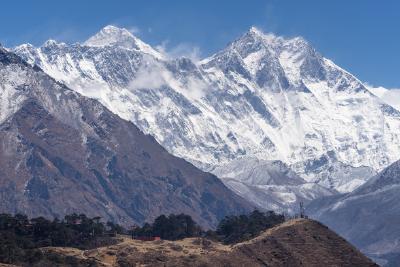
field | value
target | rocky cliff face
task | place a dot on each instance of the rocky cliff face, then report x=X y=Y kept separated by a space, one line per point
x=61 y=152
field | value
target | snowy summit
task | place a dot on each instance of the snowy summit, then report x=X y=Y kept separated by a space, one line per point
x=121 y=37
x=262 y=98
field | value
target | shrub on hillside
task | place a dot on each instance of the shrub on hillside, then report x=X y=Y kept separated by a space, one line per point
x=172 y=227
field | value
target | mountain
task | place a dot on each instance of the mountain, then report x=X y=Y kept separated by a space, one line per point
x=294 y=243
x=312 y=114
x=113 y=36
x=270 y=185
x=263 y=97
x=61 y=152
x=368 y=217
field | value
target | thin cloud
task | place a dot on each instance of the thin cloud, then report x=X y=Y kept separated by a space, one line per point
x=68 y=36
x=133 y=29
x=389 y=96
x=155 y=76
x=150 y=77
x=188 y=50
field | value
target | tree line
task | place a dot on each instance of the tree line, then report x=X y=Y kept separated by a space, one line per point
x=20 y=237
x=231 y=229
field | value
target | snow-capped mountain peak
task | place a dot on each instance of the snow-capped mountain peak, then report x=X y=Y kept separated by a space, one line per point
x=254 y=30
x=258 y=34
x=263 y=96
x=257 y=39
x=111 y=35
x=50 y=42
x=270 y=60
x=114 y=36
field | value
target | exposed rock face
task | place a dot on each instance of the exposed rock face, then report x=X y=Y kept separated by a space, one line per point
x=294 y=243
x=368 y=217
x=263 y=96
x=61 y=152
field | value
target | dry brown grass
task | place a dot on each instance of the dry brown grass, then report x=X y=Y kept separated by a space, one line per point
x=297 y=242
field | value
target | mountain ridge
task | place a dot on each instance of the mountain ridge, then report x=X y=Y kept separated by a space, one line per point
x=62 y=152
x=375 y=202
x=262 y=96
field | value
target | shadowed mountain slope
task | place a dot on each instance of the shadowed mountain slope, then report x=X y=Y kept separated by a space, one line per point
x=61 y=152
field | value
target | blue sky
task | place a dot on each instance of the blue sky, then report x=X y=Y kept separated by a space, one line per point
x=361 y=36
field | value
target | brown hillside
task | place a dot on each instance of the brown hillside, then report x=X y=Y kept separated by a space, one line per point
x=295 y=243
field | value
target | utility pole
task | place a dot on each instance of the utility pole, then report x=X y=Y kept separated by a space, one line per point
x=302 y=212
